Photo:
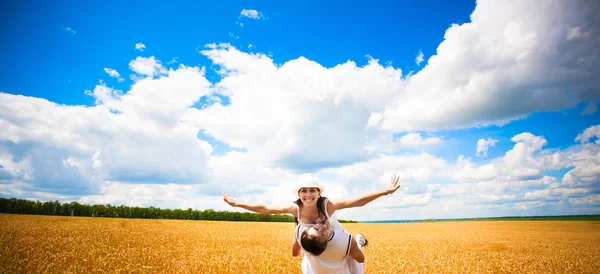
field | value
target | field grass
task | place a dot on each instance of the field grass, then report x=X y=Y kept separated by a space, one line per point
x=51 y=244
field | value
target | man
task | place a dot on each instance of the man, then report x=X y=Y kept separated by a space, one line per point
x=327 y=250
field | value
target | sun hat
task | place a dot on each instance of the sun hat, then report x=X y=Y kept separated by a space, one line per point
x=308 y=180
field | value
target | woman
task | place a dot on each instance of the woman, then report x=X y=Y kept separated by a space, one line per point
x=311 y=207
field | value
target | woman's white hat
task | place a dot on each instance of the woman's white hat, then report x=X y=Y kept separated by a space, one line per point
x=308 y=180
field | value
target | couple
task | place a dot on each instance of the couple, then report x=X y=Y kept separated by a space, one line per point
x=318 y=232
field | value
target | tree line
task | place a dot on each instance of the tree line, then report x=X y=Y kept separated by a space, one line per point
x=56 y=208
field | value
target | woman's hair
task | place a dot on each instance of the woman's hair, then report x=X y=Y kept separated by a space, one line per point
x=320 y=209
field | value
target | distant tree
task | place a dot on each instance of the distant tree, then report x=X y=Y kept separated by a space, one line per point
x=21 y=206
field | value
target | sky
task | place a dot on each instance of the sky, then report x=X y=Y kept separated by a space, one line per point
x=483 y=109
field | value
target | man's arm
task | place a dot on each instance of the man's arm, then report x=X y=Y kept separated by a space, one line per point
x=365 y=199
x=260 y=208
x=355 y=252
x=296 y=248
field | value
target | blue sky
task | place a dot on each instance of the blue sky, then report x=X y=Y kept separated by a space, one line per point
x=245 y=96
x=329 y=33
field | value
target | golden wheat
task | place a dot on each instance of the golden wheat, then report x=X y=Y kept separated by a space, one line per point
x=49 y=244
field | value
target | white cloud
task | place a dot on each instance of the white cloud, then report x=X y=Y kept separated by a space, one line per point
x=140 y=46
x=479 y=192
x=337 y=121
x=467 y=171
x=586 y=162
x=519 y=163
x=253 y=14
x=135 y=137
x=483 y=145
x=550 y=192
x=375 y=173
x=150 y=149
x=415 y=140
x=502 y=66
x=588 y=134
x=530 y=140
x=147 y=66
x=288 y=123
x=588 y=200
x=105 y=96
x=233 y=36
x=520 y=171
x=419 y=59
x=69 y=30
x=159 y=195
x=113 y=73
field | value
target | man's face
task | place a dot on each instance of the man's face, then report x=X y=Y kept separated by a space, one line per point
x=321 y=231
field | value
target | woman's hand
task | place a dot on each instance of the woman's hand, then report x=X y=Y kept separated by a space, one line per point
x=393 y=185
x=228 y=199
x=333 y=206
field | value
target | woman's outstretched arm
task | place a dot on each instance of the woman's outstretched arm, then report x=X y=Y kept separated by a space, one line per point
x=332 y=206
x=260 y=208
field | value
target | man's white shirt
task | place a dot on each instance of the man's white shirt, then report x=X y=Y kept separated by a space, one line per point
x=333 y=259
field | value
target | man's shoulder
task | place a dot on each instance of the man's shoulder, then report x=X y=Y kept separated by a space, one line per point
x=340 y=233
x=340 y=240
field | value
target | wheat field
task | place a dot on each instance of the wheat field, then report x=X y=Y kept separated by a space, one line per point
x=51 y=244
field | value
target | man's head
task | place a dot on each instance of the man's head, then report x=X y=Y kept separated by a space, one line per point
x=314 y=239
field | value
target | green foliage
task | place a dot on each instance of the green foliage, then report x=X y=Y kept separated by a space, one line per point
x=347 y=221
x=20 y=206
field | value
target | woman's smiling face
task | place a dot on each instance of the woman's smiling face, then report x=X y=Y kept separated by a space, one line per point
x=309 y=195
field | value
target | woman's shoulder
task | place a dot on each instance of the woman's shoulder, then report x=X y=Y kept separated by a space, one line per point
x=330 y=206
x=293 y=208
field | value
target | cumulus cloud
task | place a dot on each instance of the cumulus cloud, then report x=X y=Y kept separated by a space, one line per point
x=164 y=196
x=519 y=163
x=414 y=172
x=586 y=163
x=419 y=59
x=140 y=46
x=113 y=73
x=502 y=66
x=483 y=145
x=308 y=115
x=468 y=171
x=253 y=14
x=554 y=192
x=520 y=171
x=281 y=119
x=588 y=134
x=133 y=137
x=415 y=140
x=494 y=191
x=147 y=66
x=589 y=200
